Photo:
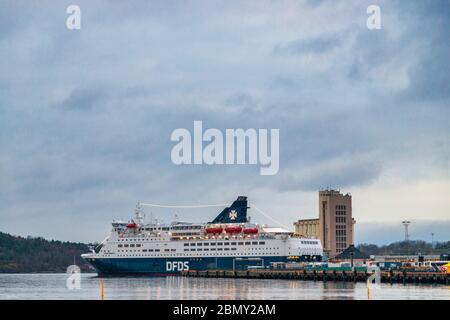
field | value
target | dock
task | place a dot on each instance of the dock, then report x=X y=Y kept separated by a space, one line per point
x=405 y=277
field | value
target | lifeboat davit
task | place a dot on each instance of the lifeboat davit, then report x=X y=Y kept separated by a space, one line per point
x=132 y=225
x=233 y=229
x=214 y=230
x=250 y=230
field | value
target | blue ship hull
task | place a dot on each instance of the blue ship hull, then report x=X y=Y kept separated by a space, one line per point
x=172 y=266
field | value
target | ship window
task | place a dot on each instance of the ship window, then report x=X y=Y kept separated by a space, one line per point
x=247 y=243
x=125 y=245
x=233 y=248
x=132 y=245
x=219 y=243
x=226 y=244
x=219 y=249
x=192 y=244
x=138 y=245
x=233 y=243
x=262 y=242
x=144 y=250
x=151 y=250
x=199 y=244
x=156 y=250
x=213 y=243
x=240 y=243
x=120 y=246
x=186 y=249
x=186 y=244
x=227 y=249
x=172 y=249
x=206 y=249
x=199 y=249
x=192 y=249
x=254 y=242
x=206 y=244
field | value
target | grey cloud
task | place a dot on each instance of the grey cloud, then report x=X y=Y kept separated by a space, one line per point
x=243 y=102
x=322 y=44
x=86 y=116
x=339 y=173
x=83 y=99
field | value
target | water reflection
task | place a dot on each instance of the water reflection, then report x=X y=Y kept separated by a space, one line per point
x=53 y=286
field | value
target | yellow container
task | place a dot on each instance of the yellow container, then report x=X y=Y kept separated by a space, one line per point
x=447 y=266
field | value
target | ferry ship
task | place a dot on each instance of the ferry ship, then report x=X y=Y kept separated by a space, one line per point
x=230 y=241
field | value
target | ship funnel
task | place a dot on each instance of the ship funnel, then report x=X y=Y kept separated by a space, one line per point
x=236 y=213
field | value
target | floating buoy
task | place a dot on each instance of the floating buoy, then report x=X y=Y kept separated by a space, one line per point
x=103 y=289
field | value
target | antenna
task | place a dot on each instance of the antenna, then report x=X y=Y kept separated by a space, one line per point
x=139 y=217
x=406 y=224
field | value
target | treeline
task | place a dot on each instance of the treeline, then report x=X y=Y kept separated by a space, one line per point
x=19 y=254
x=412 y=247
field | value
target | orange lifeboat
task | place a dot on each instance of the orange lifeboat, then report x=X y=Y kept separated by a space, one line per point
x=214 y=230
x=251 y=230
x=233 y=229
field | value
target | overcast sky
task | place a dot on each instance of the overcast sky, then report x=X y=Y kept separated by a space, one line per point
x=86 y=115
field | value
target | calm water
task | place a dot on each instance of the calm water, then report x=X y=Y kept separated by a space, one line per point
x=53 y=286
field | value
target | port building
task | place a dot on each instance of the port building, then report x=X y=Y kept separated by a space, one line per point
x=335 y=224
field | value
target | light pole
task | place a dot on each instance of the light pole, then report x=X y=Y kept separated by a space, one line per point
x=432 y=241
x=406 y=224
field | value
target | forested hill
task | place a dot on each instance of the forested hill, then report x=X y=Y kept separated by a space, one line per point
x=412 y=247
x=18 y=254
